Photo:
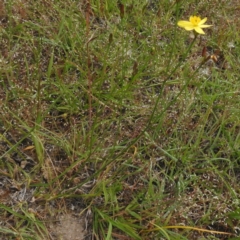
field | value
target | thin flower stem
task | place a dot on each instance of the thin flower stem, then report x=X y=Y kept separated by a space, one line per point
x=183 y=58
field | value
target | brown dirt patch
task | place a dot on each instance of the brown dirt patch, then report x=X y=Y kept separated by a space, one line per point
x=69 y=227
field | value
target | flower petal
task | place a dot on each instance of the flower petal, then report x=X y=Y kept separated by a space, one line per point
x=203 y=21
x=184 y=24
x=199 y=30
x=205 y=26
x=189 y=28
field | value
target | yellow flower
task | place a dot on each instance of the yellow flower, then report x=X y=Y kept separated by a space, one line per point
x=194 y=23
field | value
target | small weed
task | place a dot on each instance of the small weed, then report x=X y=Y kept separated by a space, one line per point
x=115 y=118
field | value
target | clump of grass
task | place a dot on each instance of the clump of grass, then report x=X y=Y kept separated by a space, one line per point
x=112 y=113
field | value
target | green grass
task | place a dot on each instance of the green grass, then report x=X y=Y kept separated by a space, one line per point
x=109 y=112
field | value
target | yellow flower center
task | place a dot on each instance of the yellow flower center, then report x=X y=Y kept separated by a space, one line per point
x=195 y=20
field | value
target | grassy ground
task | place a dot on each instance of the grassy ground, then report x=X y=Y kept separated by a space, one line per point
x=111 y=115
